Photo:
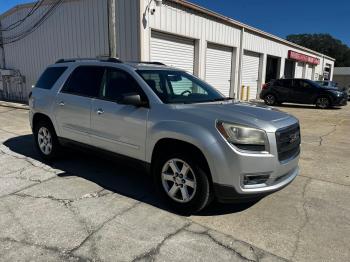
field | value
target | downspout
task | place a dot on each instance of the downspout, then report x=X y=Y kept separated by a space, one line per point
x=241 y=53
x=3 y=61
x=112 y=36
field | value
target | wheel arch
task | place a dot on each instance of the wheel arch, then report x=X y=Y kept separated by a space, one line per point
x=37 y=117
x=163 y=146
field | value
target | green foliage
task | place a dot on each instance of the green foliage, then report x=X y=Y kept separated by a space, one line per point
x=325 y=44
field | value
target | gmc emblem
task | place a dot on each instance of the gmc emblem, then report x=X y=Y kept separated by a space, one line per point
x=293 y=137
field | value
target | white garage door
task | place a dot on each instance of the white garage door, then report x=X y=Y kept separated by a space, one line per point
x=309 y=72
x=250 y=73
x=172 y=51
x=218 y=68
x=299 y=70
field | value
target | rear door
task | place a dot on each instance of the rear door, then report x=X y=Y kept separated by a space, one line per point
x=282 y=88
x=303 y=92
x=116 y=127
x=73 y=103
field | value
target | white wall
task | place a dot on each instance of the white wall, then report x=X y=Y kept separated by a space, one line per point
x=175 y=19
x=128 y=29
x=75 y=29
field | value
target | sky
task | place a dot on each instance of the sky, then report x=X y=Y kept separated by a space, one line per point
x=279 y=17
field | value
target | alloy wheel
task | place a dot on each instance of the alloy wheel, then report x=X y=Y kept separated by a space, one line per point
x=179 y=180
x=45 y=140
x=270 y=99
x=323 y=102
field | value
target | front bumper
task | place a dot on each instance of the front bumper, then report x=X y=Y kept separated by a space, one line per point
x=341 y=101
x=231 y=168
x=228 y=194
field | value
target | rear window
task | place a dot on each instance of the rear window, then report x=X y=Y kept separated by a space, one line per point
x=49 y=77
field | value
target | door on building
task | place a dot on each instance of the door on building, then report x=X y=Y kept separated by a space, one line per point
x=327 y=72
x=250 y=73
x=289 y=68
x=272 y=70
x=299 y=70
x=309 y=72
x=172 y=51
x=219 y=68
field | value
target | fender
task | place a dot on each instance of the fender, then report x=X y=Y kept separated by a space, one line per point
x=191 y=133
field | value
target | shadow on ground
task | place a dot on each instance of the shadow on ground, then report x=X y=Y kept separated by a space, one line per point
x=119 y=176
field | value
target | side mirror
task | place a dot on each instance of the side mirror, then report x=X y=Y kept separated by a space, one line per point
x=133 y=99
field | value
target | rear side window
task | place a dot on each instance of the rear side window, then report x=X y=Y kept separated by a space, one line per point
x=50 y=77
x=85 y=81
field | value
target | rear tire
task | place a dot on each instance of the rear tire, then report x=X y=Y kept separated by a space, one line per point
x=323 y=102
x=270 y=100
x=182 y=183
x=46 y=141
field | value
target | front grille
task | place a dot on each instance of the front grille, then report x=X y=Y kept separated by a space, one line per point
x=288 y=142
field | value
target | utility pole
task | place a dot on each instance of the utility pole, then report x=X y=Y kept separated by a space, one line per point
x=112 y=36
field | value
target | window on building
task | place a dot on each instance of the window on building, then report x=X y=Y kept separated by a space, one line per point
x=50 y=77
x=85 y=81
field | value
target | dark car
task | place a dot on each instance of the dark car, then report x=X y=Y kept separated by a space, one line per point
x=328 y=83
x=302 y=91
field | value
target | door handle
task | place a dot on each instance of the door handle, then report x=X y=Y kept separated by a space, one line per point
x=100 y=111
x=61 y=103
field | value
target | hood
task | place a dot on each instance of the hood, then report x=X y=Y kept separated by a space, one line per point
x=251 y=114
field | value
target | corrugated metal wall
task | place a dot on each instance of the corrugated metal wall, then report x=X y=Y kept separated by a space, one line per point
x=77 y=28
x=175 y=19
x=128 y=21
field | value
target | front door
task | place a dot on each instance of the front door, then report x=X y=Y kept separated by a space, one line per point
x=116 y=127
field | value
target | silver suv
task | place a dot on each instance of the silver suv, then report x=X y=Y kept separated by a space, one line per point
x=197 y=143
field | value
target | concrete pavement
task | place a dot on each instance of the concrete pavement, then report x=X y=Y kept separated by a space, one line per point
x=87 y=207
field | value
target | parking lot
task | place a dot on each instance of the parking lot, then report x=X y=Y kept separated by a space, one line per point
x=87 y=207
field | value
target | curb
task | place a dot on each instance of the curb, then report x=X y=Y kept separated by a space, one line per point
x=14 y=105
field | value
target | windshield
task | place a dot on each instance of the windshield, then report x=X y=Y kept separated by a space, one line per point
x=327 y=83
x=174 y=87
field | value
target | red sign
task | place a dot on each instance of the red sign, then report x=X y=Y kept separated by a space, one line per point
x=303 y=58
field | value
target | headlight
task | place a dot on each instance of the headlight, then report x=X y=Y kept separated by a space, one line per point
x=244 y=138
x=337 y=93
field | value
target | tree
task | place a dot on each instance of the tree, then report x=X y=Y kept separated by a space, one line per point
x=325 y=44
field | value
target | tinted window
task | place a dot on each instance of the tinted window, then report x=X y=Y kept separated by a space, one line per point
x=304 y=84
x=117 y=83
x=49 y=77
x=85 y=81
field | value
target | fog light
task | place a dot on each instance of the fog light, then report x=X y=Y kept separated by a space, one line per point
x=255 y=180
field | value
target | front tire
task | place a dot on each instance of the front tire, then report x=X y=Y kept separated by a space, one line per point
x=182 y=183
x=46 y=141
x=270 y=100
x=323 y=102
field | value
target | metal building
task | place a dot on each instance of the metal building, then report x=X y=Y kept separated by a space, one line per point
x=342 y=76
x=235 y=58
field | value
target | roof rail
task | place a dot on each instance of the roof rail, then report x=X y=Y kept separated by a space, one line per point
x=107 y=59
x=147 y=63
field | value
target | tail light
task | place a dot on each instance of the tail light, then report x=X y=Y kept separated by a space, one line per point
x=265 y=86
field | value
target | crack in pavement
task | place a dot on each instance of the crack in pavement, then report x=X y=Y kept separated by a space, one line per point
x=6 y=151
x=230 y=249
x=64 y=254
x=305 y=222
x=93 y=232
x=151 y=254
